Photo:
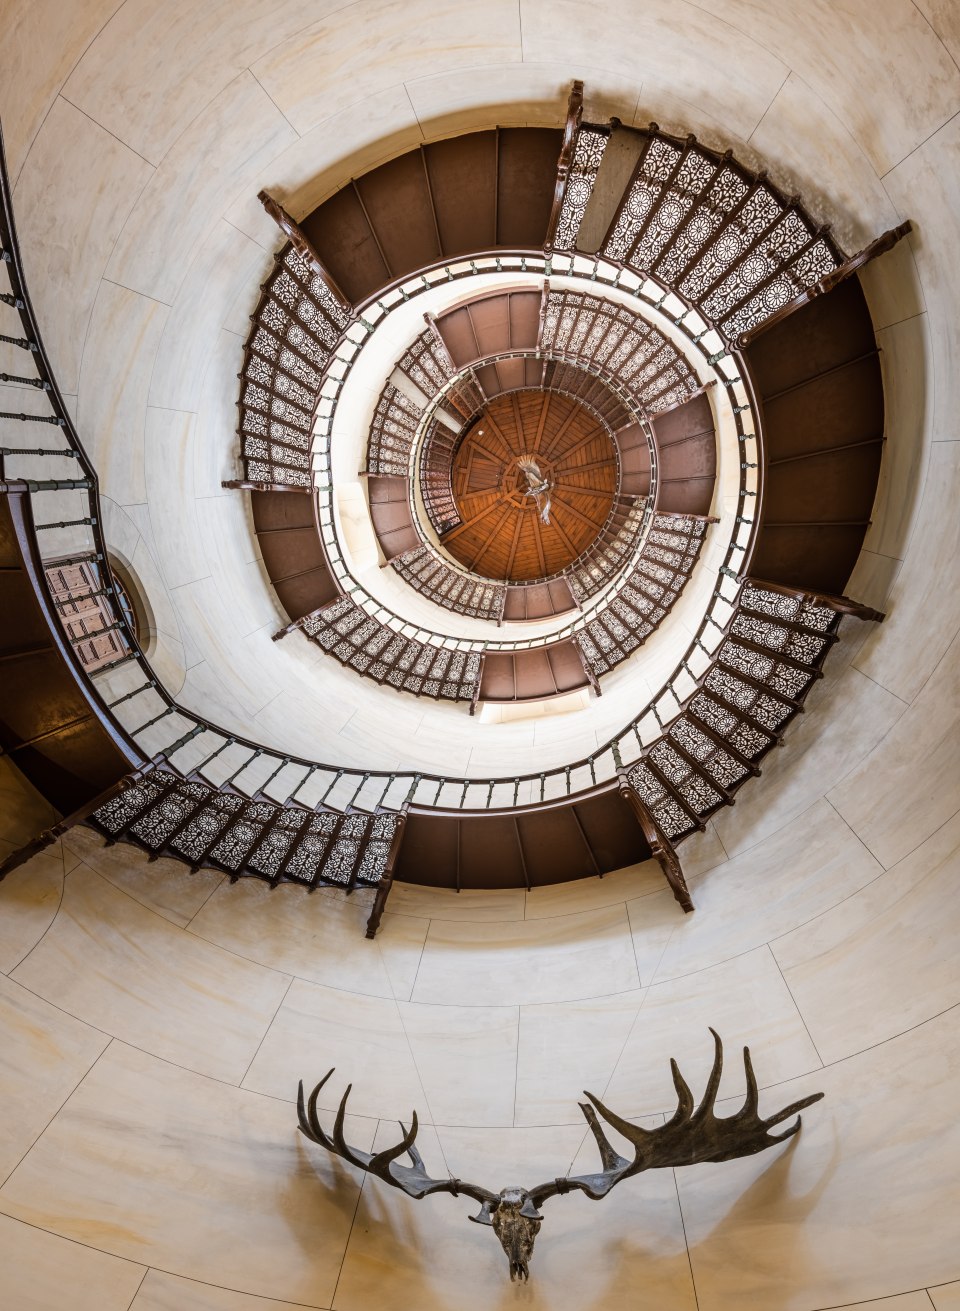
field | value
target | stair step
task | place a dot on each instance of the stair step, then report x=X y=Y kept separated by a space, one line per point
x=616 y=169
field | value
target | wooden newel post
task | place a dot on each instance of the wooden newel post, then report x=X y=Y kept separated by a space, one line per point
x=50 y=835
x=386 y=879
x=302 y=245
x=241 y=485
x=842 y=605
x=886 y=241
x=564 y=163
x=661 y=848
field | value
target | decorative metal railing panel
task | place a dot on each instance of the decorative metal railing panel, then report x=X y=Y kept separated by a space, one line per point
x=191 y=820
x=587 y=157
x=436 y=474
x=392 y=432
x=771 y=652
x=376 y=651
x=610 y=556
x=603 y=334
x=462 y=593
x=295 y=329
x=660 y=574
x=725 y=237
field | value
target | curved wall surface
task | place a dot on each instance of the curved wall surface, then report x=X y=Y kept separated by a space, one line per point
x=156 y=1024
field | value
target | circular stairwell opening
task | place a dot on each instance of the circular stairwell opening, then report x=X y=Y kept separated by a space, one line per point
x=534 y=480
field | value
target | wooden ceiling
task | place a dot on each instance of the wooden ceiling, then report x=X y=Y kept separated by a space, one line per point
x=501 y=534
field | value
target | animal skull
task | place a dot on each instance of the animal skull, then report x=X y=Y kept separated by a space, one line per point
x=516 y=1222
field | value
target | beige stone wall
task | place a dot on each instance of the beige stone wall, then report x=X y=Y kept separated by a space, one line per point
x=155 y=1025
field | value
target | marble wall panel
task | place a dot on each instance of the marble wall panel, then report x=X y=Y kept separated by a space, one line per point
x=880 y=962
x=121 y=343
x=892 y=287
x=845 y=718
x=946 y=1297
x=910 y=783
x=318 y=1029
x=151 y=1162
x=560 y=959
x=443 y=904
x=216 y=453
x=223 y=152
x=227 y=264
x=746 y=1001
x=315 y=936
x=836 y=54
x=111 y=962
x=904 y=1302
x=166 y=886
x=907 y=385
x=592 y=893
x=160 y=1292
x=725 y=72
x=924 y=598
x=72 y=201
x=41 y=1271
x=41 y=44
x=568 y=1047
x=810 y=152
x=518 y=95
x=808 y=866
x=169 y=437
x=335 y=62
x=842 y=1213
x=29 y=898
x=148 y=75
x=480 y=1043
x=44 y=1056
x=943 y=18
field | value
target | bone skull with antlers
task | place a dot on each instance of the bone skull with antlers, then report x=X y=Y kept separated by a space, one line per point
x=692 y=1135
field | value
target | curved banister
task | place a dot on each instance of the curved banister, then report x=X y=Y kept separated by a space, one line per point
x=635 y=737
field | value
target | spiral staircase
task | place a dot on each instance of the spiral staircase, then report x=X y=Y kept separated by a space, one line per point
x=670 y=295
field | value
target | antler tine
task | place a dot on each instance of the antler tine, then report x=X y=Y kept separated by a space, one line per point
x=412 y=1151
x=792 y=1109
x=341 y=1146
x=752 y=1100
x=685 y=1101
x=610 y=1158
x=307 y=1115
x=380 y=1162
x=632 y=1132
x=706 y=1106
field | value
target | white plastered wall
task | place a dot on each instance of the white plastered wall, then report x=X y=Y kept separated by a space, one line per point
x=155 y=1025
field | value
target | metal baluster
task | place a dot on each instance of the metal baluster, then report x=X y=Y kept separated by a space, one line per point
x=182 y=742
x=144 y=687
x=163 y=714
x=261 y=790
x=338 y=776
x=237 y=772
x=223 y=746
x=362 y=785
x=306 y=778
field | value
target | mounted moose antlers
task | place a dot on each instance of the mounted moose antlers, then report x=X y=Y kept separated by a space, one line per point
x=689 y=1137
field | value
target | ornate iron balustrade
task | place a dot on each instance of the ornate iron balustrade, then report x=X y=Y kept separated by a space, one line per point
x=605 y=336
x=185 y=731
x=173 y=733
x=663 y=569
x=376 y=651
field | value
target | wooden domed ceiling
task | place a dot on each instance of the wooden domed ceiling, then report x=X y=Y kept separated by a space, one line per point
x=508 y=531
